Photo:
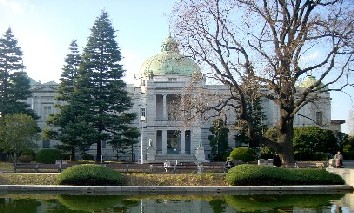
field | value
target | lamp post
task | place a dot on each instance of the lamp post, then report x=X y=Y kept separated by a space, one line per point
x=142 y=119
x=141 y=144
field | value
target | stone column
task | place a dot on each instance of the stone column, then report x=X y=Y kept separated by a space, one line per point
x=164 y=107
x=164 y=142
x=183 y=142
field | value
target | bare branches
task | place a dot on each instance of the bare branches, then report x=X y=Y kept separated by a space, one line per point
x=263 y=48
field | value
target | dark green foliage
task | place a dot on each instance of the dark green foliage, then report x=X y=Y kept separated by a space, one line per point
x=86 y=156
x=253 y=175
x=48 y=156
x=244 y=154
x=219 y=140
x=90 y=175
x=257 y=117
x=73 y=133
x=14 y=83
x=70 y=70
x=121 y=143
x=348 y=148
x=310 y=140
x=18 y=132
x=265 y=152
x=100 y=94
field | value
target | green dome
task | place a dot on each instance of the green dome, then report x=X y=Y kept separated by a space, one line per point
x=309 y=81
x=169 y=62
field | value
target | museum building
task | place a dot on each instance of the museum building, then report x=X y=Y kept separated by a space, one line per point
x=158 y=99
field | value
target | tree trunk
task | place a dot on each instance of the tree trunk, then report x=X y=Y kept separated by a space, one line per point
x=99 y=151
x=285 y=139
x=72 y=155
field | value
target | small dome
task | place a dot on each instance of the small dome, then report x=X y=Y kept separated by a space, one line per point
x=169 y=62
x=310 y=81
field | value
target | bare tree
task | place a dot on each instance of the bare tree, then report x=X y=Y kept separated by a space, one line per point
x=351 y=122
x=263 y=48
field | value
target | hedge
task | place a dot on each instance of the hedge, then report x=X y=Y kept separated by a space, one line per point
x=254 y=175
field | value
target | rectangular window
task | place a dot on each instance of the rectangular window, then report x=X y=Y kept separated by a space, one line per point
x=142 y=113
x=319 y=118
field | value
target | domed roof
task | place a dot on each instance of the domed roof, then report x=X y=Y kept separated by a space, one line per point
x=169 y=62
x=309 y=81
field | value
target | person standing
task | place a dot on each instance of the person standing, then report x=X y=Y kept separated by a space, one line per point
x=276 y=160
x=228 y=165
x=339 y=159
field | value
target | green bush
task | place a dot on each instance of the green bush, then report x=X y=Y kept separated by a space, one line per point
x=253 y=175
x=244 y=154
x=90 y=175
x=48 y=156
x=86 y=156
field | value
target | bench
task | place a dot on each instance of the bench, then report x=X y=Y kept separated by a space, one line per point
x=39 y=167
x=311 y=164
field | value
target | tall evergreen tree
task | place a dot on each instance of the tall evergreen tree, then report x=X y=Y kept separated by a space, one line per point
x=254 y=109
x=219 y=140
x=100 y=91
x=70 y=70
x=71 y=131
x=14 y=83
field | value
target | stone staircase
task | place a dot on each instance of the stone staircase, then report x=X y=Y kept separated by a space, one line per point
x=159 y=158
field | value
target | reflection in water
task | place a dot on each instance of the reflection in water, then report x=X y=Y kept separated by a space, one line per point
x=176 y=203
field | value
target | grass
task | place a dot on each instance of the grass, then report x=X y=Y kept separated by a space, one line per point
x=132 y=179
x=6 y=167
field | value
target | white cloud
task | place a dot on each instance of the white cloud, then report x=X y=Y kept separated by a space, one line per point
x=309 y=58
x=42 y=57
x=132 y=63
x=16 y=7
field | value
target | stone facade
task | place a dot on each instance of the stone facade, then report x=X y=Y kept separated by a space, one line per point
x=156 y=94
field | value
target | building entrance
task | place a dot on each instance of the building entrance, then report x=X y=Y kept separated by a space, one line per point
x=173 y=142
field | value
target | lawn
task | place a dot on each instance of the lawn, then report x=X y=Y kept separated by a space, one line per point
x=7 y=177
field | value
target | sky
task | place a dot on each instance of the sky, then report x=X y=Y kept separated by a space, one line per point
x=45 y=28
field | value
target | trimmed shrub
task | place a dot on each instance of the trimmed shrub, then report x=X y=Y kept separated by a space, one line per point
x=48 y=156
x=90 y=175
x=253 y=175
x=244 y=154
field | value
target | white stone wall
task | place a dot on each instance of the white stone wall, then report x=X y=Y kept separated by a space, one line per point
x=150 y=96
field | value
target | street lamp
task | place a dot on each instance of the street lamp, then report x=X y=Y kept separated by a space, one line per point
x=142 y=119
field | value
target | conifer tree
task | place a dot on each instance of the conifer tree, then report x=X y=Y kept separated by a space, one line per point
x=70 y=70
x=100 y=92
x=70 y=130
x=254 y=109
x=14 y=83
x=219 y=140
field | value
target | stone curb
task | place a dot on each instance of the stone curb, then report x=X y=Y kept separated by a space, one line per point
x=176 y=189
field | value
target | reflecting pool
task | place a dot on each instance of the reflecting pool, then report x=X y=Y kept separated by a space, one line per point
x=195 y=203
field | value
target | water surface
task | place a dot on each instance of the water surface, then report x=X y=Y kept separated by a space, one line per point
x=193 y=203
